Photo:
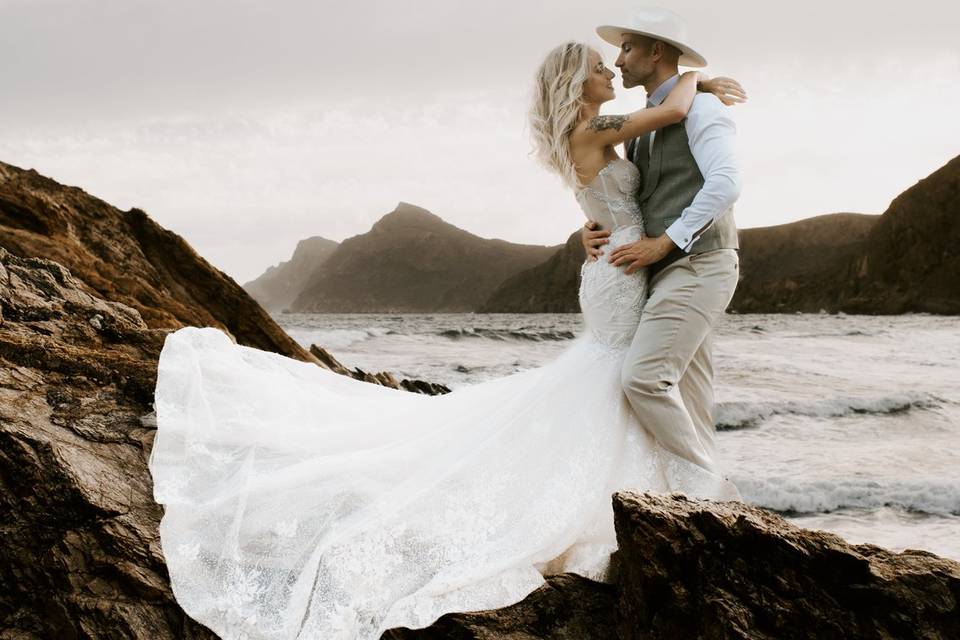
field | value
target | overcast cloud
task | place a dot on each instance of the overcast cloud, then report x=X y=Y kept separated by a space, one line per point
x=246 y=126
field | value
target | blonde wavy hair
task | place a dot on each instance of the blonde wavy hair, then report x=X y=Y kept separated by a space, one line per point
x=555 y=107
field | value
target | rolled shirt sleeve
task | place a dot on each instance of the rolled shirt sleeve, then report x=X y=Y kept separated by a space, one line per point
x=712 y=137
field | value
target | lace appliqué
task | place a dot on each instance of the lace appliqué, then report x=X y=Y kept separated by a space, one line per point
x=612 y=300
x=621 y=202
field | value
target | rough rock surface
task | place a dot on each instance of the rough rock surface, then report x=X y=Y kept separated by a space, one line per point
x=81 y=555
x=124 y=256
x=693 y=569
x=566 y=607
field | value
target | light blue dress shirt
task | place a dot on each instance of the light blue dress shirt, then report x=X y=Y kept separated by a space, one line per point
x=711 y=134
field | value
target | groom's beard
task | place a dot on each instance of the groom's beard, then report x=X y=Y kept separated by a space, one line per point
x=637 y=80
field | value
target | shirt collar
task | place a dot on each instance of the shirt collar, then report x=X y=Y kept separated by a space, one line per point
x=661 y=92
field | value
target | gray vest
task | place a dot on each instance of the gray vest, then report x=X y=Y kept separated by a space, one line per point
x=671 y=179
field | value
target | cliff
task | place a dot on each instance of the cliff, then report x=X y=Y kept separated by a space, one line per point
x=277 y=287
x=912 y=256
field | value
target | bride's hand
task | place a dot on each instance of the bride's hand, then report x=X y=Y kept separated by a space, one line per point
x=727 y=89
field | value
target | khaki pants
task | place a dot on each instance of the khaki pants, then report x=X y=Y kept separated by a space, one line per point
x=667 y=373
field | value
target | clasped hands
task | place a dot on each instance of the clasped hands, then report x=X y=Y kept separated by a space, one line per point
x=633 y=254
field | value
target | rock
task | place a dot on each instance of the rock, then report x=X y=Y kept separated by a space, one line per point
x=81 y=554
x=126 y=257
x=566 y=607
x=699 y=569
x=422 y=386
x=383 y=378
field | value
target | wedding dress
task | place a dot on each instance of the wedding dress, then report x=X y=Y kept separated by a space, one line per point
x=300 y=503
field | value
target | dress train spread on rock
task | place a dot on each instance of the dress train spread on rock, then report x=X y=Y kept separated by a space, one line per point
x=300 y=503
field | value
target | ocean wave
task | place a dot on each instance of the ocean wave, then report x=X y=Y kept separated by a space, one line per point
x=504 y=335
x=741 y=415
x=337 y=338
x=940 y=497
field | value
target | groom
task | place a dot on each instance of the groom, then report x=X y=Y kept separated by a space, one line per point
x=690 y=182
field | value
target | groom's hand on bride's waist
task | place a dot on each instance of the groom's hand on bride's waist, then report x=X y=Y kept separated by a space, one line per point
x=592 y=238
x=641 y=253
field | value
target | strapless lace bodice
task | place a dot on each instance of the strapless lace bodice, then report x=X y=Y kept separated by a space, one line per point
x=611 y=299
x=611 y=197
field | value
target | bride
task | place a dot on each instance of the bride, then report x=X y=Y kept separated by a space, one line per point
x=300 y=503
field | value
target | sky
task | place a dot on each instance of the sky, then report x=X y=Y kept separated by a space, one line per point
x=246 y=126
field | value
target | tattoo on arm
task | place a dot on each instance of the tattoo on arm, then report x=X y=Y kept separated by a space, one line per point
x=602 y=123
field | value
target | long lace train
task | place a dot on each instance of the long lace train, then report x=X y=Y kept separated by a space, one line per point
x=300 y=503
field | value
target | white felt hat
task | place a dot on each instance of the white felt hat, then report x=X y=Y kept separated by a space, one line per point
x=658 y=24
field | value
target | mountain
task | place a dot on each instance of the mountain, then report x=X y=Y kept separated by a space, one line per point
x=412 y=261
x=912 y=259
x=905 y=260
x=799 y=266
x=549 y=287
x=280 y=284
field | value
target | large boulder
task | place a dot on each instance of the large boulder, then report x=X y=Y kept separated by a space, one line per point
x=699 y=569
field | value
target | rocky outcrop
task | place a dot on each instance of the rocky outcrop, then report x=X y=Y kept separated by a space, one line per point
x=81 y=554
x=566 y=607
x=126 y=257
x=550 y=287
x=384 y=378
x=412 y=261
x=280 y=284
x=727 y=571
x=698 y=569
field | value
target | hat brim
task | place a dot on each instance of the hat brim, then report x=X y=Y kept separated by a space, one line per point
x=688 y=57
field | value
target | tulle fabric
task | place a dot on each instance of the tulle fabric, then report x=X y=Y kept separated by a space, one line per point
x=300 y=503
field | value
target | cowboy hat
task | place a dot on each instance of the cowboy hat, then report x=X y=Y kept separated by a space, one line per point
x=658 y=24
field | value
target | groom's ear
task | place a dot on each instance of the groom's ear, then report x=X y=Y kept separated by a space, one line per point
x=658 y=50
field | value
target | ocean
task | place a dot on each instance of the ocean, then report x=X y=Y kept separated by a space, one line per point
x=845 y=423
